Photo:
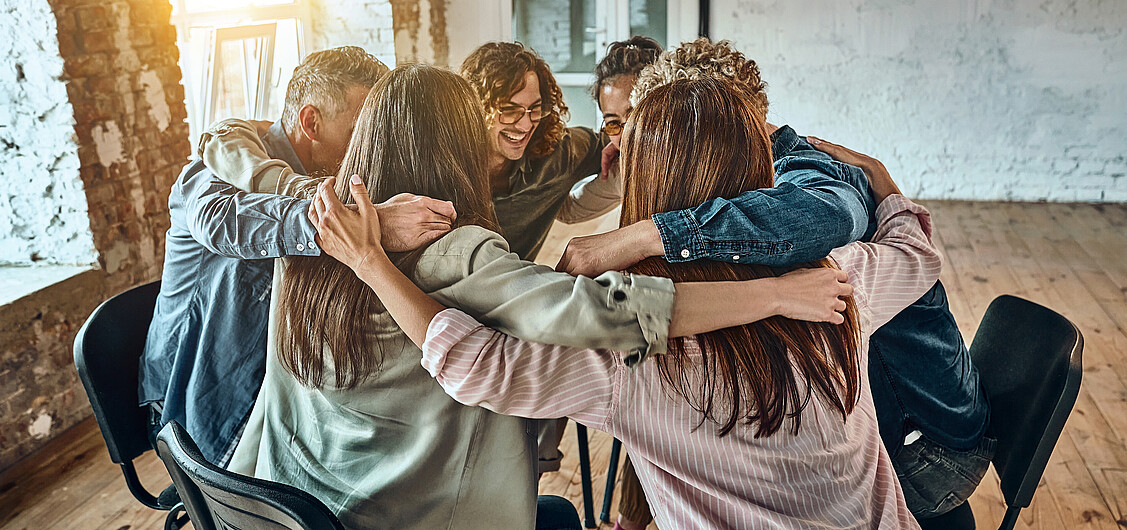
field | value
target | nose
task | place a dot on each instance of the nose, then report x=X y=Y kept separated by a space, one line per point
x=526 y=119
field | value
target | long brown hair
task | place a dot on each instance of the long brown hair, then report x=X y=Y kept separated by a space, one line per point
x=496 y=71
x=421 y=131
x=688 y=142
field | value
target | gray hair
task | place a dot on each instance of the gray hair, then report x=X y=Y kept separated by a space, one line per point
x=324 y=78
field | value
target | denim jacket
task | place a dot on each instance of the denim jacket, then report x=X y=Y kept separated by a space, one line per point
x=819 y=204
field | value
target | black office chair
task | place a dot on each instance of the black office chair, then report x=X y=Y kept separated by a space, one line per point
x=219 y=499
x=107 y=351
x=1029 y=361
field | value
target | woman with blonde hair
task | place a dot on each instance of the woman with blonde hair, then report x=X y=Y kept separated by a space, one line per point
x=347 y=413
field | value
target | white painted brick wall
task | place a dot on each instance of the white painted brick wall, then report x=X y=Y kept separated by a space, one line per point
x=43 y=213
x=364 y=23
x=961 y=99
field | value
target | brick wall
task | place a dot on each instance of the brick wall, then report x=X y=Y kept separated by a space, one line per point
x=364 y=23
x=123 y=83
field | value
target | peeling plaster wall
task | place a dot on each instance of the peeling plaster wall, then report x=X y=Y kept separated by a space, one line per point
x=364 y=23
x=43 y=217
x=126 y=110
x=967 y=99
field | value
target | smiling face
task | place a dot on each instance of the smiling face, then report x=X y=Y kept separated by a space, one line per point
x=510 y=140
x=614 y=102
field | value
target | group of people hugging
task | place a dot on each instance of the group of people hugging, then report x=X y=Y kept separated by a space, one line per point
x=765 y=333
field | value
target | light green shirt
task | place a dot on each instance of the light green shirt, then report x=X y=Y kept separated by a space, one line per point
x=396 y=451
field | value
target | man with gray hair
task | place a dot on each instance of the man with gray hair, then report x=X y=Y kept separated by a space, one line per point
x=205 y=353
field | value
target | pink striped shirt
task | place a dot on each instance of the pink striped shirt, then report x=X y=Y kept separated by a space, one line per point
x=832 y=474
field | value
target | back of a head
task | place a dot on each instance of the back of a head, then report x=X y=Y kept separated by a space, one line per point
x=496 y=71
x=690 y=141
x=323 y=79
x=421 y=131
x=707 y=132
x=624 y=58
x=700 y=59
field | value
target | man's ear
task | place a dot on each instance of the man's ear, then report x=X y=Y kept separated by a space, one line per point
x=309 y=121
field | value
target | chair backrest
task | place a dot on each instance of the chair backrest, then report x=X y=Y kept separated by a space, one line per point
x=1029 y=362
x=219 y=499
x=107 y=351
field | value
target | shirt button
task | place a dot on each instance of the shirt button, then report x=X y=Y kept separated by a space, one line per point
x=684 y=253
x=736 y=257
x=311 y=245
x=263 y=252
x=300 y=247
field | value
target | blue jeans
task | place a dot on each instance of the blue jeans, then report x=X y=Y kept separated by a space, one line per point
x=937 y=479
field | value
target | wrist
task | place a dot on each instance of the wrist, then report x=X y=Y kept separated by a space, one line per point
x=645 y=237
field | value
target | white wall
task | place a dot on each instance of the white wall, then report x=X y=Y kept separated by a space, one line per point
x=364 y=23
x=961 y=99
x=43 y=212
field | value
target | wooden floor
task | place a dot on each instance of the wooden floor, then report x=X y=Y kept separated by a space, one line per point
x=1070 y=257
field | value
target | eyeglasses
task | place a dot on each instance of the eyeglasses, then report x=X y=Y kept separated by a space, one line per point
x=510 y=114
x=613 y=127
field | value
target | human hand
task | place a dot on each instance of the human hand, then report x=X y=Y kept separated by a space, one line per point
x=352 y=237
x=815 y=295
x=410 y=221
x=609 y=161
x=879 y=179
x=615 y=250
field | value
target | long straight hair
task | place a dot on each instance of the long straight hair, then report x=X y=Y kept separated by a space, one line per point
x=688 y=142
x=421 y=131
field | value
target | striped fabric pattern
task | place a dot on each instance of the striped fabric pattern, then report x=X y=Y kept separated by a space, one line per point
x=832 y=474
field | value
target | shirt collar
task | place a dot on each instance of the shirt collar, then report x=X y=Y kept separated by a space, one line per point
x=783 y=140
x=278 y=146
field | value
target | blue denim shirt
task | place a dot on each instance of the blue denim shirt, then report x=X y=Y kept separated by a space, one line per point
x=819 y=204
x=205 y=354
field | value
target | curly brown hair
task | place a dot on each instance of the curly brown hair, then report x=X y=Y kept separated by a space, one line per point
x=624 y=57
x=702 y=59
x=496 y=71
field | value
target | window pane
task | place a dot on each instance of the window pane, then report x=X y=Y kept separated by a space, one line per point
x=650 y=18
x=561 y=32
x=287 y=55
x=581 y=107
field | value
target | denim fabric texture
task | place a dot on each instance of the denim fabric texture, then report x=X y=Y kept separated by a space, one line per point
x=205 y=353
x=936 y=479
x=819 y=204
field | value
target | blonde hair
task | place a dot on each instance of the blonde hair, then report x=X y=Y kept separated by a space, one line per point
x=703 y=59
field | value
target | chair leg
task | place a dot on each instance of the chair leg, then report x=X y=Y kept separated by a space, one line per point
x=585 y=477
x=1010 y=519
x=612 y=472
x=174 y=522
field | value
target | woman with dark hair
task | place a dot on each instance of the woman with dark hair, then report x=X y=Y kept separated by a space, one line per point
x=615 y=77
x=347 y=413
x=768 y=424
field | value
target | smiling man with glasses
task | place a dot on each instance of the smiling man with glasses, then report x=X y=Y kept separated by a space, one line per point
x=535 y=159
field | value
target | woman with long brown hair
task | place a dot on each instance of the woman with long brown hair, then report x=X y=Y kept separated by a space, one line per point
x=769 y=424
x=347 y=413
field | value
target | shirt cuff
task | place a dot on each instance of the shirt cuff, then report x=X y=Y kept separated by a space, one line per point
x=648 y=297
x=896 y=203
x=446 y=329
x=680 y=236
x=297 y=231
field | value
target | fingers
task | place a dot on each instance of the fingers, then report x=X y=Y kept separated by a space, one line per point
x=444 y=209
x=359 y=193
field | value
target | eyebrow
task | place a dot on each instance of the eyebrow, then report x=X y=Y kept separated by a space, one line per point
x=512 y=103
